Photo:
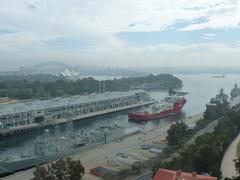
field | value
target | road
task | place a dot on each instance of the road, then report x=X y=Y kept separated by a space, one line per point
x=227 y=164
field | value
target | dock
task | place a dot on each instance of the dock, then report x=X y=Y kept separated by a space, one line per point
x=106 y=153
x=26 y=116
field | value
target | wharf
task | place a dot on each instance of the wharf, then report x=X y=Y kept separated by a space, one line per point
x=26 y=116
x=23 y=128
x=101 y=155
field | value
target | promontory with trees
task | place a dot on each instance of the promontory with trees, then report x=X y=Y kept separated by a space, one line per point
x=47 y=86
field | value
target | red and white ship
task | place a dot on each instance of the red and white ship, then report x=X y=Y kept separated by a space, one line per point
x=170 y=105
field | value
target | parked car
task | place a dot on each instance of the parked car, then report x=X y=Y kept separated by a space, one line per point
x=122 y=155
x=156 y=151
x=146 y=146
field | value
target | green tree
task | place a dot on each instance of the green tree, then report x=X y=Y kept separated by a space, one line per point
x=137 y=166
x=43 y=86
x=41 y=173
x=176 y=133
x=63 y=169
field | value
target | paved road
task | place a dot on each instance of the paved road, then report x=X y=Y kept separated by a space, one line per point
x=227 y=164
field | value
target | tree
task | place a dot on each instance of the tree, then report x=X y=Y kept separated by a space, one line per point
x=42 y=86
x=176 y=133
x=137 y=166
x=237 y=166
x=63 y=169
x=75 y=169
x=41 y=173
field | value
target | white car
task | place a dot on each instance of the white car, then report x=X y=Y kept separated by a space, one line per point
x=156 y=151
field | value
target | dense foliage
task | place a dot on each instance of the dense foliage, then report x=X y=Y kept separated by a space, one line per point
x=33 y=77
x=42 y=86
x=237 y=167
x=67 y=169
x=206 y=153
x=136 y=166
x=214 y=112
x=176 y=133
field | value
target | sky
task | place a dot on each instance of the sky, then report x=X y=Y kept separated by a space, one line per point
x=120 y=33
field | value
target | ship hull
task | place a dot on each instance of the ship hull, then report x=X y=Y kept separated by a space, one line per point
x=146 y=116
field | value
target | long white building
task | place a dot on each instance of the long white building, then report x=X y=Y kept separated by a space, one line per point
x=32 y=114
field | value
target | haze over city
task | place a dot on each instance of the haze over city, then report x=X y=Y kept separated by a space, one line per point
x=120 y=89
x=134 y=33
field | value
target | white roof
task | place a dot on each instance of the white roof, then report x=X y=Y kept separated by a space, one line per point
x=28 y=106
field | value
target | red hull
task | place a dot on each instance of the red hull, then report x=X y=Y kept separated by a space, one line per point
x=146 y=116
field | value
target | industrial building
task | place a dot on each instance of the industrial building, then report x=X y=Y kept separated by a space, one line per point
x=35 y=113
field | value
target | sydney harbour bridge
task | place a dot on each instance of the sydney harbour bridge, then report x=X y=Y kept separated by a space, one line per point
x=47 y=67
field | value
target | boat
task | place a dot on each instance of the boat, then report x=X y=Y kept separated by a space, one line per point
x=47 y=148
x=219 y=76
x=170 y=105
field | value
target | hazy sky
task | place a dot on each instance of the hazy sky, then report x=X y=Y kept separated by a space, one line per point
x=123 y=33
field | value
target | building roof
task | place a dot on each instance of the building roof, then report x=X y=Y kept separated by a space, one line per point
x=27 y=106
x=165 y=174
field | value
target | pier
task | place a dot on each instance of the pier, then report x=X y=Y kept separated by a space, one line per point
x=25 y=116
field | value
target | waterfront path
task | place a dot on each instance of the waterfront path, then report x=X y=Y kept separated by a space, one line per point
x=227 y=164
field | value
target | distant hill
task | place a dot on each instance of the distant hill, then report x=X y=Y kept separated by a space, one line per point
x=161 y=81
x=46 y=86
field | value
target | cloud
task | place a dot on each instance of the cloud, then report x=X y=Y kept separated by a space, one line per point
x=47 y=28
x=114 y=16
x=223 y=15
x=208 y=35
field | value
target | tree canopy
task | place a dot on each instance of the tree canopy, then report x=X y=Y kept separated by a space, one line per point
x=205 y=155
x=176 y=133
x=63 y=169
x=43 y=86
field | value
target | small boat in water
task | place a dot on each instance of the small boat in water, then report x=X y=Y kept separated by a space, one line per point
x=219 y=76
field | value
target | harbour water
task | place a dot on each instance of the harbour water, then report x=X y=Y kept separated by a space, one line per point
x=201 y=88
